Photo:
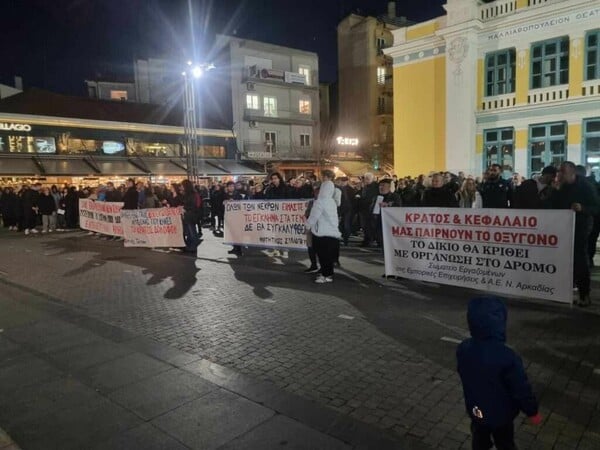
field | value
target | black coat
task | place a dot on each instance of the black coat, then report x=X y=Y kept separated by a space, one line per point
x=439 y=198
x=46 y=204
x=580 y=192
x=277 y=193
x=527 y=196
x=496 y=194
x=130 y=199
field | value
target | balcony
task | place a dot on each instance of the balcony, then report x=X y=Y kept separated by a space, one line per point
x=591 y=88
x=279 y=116
x=263 y=151
x=548 y=95
x=499 y=102
x=276 y=77
x=502 y=8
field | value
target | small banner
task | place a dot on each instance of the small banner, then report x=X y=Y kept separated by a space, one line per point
x=266 y=223
x=157 y=227
x=100 y=217
x=526 y=253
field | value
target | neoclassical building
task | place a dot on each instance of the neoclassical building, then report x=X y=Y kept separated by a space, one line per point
x=513 y=82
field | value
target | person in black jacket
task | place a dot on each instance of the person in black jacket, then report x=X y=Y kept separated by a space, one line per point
x=535 y=194
x=277 y=190
x=386 y=198
x=231 y=194
x=369 y=191
x=9 y=209
x=495 y=191
x=217 y=209
x=112 y=194
x=47 y=208
x=131 y=197
x=72 y=208
x=438 y=196
x=190 y=217
x=576 y=193
x=30 y=207
x=346 y=211
x=494 y=381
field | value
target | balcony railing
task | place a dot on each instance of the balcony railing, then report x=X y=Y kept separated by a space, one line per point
x=591 y=88
x=547 y=95
x=279 y=77
x=278 y=116
x=499 y=102
x=264 y=151
x=489 y=11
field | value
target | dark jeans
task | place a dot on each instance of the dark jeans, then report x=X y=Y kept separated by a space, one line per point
x=312 y=254
x=366 y=223
x=593 y=239
x=581 y=263
x=29 y=219
x=190 y=236
x=504 y=437
x=327 y=249
x=346 y=226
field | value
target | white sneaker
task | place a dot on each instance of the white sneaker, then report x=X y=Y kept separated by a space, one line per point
x=34 y=231
x=50 y=231
x=285 y=254
x=26 y=231
x=321 y=279
x=44 y=231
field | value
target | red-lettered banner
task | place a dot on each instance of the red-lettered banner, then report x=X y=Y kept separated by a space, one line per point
x=527 y=253
x=100 y=217
x=159 y=227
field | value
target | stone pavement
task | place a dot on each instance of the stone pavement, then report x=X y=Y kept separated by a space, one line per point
x=379 y=352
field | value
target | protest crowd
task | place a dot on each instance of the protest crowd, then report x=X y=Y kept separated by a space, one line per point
x=339 y=208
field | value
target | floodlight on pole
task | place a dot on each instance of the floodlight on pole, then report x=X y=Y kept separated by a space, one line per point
x=197 y=72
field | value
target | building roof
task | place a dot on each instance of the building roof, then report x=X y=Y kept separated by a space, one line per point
x=36 y=101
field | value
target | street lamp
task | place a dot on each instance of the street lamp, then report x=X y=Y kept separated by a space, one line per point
x=190 y=118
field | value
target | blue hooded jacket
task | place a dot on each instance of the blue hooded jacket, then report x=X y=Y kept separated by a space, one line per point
x=493 y=377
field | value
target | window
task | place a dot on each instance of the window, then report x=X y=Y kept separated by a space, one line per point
x=591 y=145
x=380 y=43
x=270 y=105
x=550 y=63
x=547 y=145
x=27 y=144
x=500 y=73
x=118 y=95
x=252 y=101
x=271 y=141
x=305 y=70
x=305 y=140
x=381 y=75
x=212 y=151
x=381 y=105
x=140 y=148
x=499 y=149
x=592 y=55
x=304 y=106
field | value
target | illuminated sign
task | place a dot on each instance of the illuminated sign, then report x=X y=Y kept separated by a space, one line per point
x=15 y=127
x=352 y=142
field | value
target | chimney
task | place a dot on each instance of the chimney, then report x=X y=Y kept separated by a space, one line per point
x=391 y=10
x=18 y=83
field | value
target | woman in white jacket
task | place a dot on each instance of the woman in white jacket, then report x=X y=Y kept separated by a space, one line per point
x=324 y=225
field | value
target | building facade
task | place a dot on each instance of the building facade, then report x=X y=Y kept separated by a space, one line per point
x=366 y=87
x=111 y=90
x=59 y=139
x=511 y=82
x=275 y=107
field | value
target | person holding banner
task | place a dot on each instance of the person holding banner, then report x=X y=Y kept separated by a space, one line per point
x=323 y=223
x=231 y=194
x=190 y=217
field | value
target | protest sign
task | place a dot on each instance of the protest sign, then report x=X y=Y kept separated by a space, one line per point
x=100 y=217
x=266 y=223
x=526 y=253
x=158 y=227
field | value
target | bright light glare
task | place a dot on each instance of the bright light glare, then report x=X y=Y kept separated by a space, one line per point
x=189 y=63
x=197 y=72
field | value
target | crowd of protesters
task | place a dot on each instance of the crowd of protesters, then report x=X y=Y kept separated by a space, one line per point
x=352 y=205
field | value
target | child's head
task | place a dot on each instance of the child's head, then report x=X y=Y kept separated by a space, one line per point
x=487 y=318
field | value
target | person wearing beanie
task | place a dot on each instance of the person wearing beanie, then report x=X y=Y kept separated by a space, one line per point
x=494 y=381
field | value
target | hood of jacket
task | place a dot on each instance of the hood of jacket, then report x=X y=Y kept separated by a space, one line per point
x=487 y=318
x=326 y=190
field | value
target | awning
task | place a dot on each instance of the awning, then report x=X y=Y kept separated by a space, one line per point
x=18 y=166
x=66 y=166
x=232 y=167
x=356 y=168
x=162 y=167
x=118 y=167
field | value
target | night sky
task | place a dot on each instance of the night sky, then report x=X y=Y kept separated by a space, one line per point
x=57 y=44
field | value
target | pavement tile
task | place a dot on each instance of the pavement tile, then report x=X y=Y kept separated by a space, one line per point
x=161 y=393
x=87 y=355
x=119 y=372
x=24 y=371
x=74 y=428
x=144 y=437
x=213 y=420
x=163 y=352
x=282 y=432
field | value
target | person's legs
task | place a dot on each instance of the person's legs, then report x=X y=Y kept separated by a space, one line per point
x=45 y=223
x=347 y=227
x=190 y=236
x=581 y=268
x=326 y=250
x=53 y=221
x=593 y=240
x=480 y=437
x=504 y=437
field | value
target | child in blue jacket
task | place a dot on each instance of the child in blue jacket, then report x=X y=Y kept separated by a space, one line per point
x=493 y=377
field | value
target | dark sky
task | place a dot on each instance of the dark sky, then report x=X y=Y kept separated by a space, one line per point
x=57 y=44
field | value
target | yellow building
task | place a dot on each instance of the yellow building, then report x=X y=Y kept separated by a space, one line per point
x=512 y=82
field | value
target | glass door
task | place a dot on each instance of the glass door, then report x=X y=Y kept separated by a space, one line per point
x=591 y=146
x=547 y=146
x=499 y=149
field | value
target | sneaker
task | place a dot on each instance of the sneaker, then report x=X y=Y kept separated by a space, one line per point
x=312 y=269
x=26 y=231
x=50 y=231
x=285 y=254
x=585 y=301
x=321 y=279
x=44 y=231
x=34 y=231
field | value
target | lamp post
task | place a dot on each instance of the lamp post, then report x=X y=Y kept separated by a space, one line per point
x=191 y=117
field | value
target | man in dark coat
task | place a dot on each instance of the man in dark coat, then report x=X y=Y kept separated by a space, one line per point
x=576 y=193
x=535 y=194
x=131 y=197
x=277 y=190
x=386 y=198
x=112 y=194
x=231 y=194
x=495 y=191
x=369 y=191
x=438 y=195
x=494 y=381
x=30 y=207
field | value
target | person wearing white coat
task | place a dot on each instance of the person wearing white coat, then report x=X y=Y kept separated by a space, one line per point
x=324 y=225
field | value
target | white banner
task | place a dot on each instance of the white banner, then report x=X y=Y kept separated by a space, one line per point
x=157 y=227
x=100 y=217
x=266 y=223
x=527 y=253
